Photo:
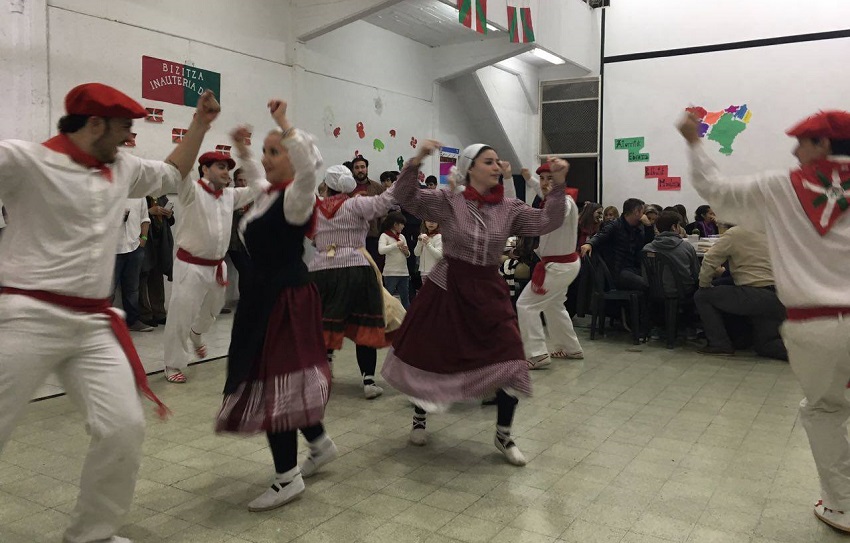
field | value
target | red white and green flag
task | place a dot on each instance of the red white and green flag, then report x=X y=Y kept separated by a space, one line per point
x=520 y=27
x=473 y=14
x=176 y=83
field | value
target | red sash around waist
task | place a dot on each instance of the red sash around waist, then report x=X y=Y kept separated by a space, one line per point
x=808 y=313
x=539 y=275
x=186 y=256
x=119 y=328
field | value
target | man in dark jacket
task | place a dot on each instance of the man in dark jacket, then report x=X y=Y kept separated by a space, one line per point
x=368 y=187
x=680 y=252
x=620 y=242
x=158 y=262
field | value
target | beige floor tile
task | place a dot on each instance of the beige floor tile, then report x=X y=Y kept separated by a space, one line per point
x=470 y=529
x=651 y=446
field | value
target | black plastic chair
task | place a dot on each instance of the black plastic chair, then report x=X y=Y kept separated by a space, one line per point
x=656 y=266
x=603 y=290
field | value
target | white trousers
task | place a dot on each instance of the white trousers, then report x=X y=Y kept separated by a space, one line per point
x=196 y=300
x=37 y=338
x=819 y=353
x=559 y=276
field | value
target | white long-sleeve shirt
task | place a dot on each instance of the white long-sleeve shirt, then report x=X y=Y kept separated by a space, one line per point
x=205 y=221
x=563 y=240
x=395 y=264
x=299 y=198
x=63 y=235
x=429 y=253
x=810 y=269
x=131 y=228
x=531 y=184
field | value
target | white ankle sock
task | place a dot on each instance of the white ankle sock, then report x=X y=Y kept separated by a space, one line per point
x=287 y=477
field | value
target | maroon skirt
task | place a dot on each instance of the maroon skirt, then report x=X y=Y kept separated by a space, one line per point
x=278 y=379
x=458 y=343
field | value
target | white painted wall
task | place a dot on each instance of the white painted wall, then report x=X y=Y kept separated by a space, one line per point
x=517 y=116
x=648 y=97
x=367 y=55
x=634 y=26
x=246 y=82
x=23 y=65
x=257 y=28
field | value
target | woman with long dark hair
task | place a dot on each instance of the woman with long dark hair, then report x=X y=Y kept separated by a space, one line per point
x=589 y=221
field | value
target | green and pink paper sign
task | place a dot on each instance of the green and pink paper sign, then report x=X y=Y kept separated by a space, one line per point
x=175 y=83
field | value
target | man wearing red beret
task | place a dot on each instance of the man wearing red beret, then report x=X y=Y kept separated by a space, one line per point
x=804 y=213
x=558 y=268
x=56 y=263
x=200 y=274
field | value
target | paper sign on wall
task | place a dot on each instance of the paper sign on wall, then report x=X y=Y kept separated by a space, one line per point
x=175 y=83
x=669 y=183
x=651 y=172
x=448 y=158
x=633 y=146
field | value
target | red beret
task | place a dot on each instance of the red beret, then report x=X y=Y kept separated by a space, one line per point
x=214 y=156
x=102 y=101
x=834 y=125
x=544 y=168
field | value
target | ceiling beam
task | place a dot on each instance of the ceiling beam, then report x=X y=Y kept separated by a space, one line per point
x=314 y=18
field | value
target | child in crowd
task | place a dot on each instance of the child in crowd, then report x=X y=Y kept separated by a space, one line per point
x=430 y=247
x=394 y=247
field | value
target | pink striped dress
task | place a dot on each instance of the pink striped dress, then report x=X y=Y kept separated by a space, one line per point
x=460 y=339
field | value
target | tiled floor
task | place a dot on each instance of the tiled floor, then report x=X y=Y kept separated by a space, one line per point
x=630 y=445
x=150 y=348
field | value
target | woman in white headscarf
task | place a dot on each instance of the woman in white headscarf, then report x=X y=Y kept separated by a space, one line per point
x=352 y=302
x=460 y=339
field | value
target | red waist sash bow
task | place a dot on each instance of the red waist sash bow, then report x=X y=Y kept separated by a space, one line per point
x=186 y=256
x=539 y=275
x=119 y=328
x=808 y=313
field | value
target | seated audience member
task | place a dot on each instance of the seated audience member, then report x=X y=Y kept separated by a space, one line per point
x=705 y=222
x=431 y=182
x=682 y=212
x=753 y=295
x=620 y=243
x=589 y=221
x=681 y=253
x=652 y=211
x=681 y=227
x=610 y=214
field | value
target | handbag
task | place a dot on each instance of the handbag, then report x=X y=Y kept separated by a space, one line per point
x=394 y=312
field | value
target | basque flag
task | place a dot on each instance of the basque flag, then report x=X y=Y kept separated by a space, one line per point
x=223 y=149
x=520 y=27
x=154 y=115
x=177 y=134
x=473 y=14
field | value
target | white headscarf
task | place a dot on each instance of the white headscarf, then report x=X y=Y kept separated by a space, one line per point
x=338 y=178
x=457 y=175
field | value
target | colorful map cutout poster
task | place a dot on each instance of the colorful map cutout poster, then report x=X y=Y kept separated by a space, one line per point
x=722 y=126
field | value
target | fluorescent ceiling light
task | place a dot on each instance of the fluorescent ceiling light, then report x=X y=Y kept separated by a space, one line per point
x=547 y=56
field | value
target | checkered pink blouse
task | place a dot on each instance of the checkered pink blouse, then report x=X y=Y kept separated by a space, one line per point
x=472 y=234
